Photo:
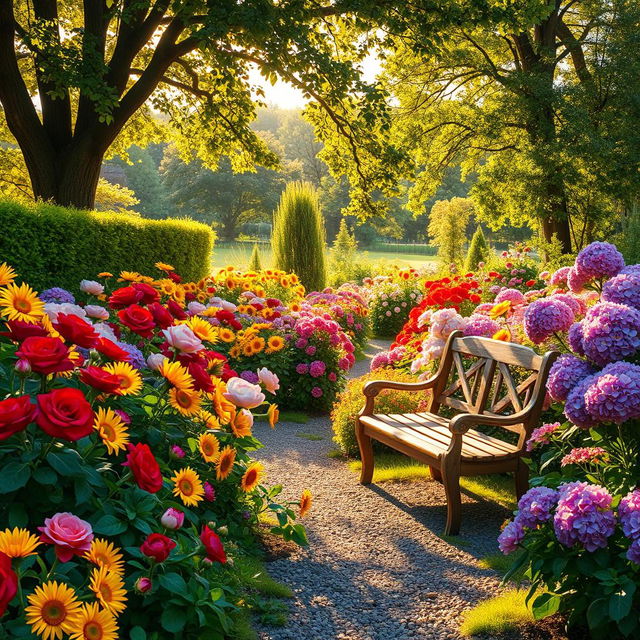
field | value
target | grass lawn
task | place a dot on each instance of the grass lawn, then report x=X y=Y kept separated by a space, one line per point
x=238 y=255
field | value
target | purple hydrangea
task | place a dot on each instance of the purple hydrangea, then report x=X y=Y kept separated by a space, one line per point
x=514 y=296
x=575 y=408
x=480 y=325
x=559 y=278
x=577 y=305
x=633 y=552
x=567 y=371
x=610 y=332
x=600 y=260
x=629 y=514
x=57 y=295
x=302 y=369
x=584 y=516
x=545 y=317
x=623 y=289
x=574 y=337
x=535 y=506
x=250 y=376
x=512 y=535
x=136 y=357
x=614 y=395
x=631 y=268
x=317 y=368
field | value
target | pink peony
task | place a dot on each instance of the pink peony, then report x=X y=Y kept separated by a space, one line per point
x=91 y=287
x=70 y=535
x=172 y=519
x=268 y=379
x=243 y=393
x=181 y=337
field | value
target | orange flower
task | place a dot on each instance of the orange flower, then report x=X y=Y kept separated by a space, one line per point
x=503 y=334
x=241 y=423
x=306 y=500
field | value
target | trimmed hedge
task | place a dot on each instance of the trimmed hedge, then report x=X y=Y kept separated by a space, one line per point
x=57 y=246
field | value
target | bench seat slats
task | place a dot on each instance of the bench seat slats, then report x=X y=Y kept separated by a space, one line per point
x=431 y=435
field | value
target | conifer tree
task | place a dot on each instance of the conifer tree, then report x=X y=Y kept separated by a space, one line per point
x=255 y=262
x=478 y=250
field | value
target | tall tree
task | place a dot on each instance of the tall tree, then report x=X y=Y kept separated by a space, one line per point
x=542 y=113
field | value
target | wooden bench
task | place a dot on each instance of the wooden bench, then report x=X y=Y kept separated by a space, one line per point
x=476 y=381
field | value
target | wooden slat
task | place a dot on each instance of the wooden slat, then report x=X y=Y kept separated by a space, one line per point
x=511 y=386
x=516 y=355
x=527 y=386
x=485 y=386
x=462 y=378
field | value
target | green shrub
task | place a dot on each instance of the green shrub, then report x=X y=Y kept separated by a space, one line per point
x=447 y=223
x=349 y=403
x=343 y=256
x=57 y=246
x=298 y=235
x=478 y=250
x=255 y=263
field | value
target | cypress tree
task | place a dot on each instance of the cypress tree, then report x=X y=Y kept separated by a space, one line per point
x=478 y=250
x=298 y=235
x=255 y=262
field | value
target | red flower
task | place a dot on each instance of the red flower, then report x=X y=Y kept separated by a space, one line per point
x=76 y=330
x=174 y=277
x=15 y=415
x=45 y=355
x=144 y=467
x=124 y=297
x=111 y=350
x=530 y=283
x=65 y=413
x=100 y=379
x=138 y=319
x=228 y=373
x=475 y=298
x=8 y=583
x=148 y=293
x=19 y=330
x=176 y=310
x=228 y=318
x=272 y=302
x=213 y=545
x=161 y=316
x=157 y=546
x=201 y=378
x=493 y=274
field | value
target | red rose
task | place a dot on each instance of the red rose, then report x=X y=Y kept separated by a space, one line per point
x=15 y=415
x=144 y=467
x=45 y=355
x=228 y=373
x=111 y=350
x=100 y=379
x=176 y=310
x=148 y=293
x=213 y=545
x=8 y=583
x=124 y=297
x=138 y=319
x=19 y=330
x=76 y=330
x=174 y=277
x=65 y=413
x=201 y=378
x=160 y=315
x=530 y=283
x=157 y=546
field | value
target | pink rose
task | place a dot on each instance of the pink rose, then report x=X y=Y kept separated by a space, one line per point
x=195 y=308
x=181 y=337
x=143 y=585
x=172 y=519
x=91 y=287
x=70 y=535
x=96 y=311
x=243 y=393
x=269 y=380
x=155 y=361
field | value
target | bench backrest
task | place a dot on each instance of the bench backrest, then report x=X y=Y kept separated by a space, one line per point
x=490 y=377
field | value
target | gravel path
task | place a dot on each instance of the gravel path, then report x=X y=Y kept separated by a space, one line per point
x=376 y=568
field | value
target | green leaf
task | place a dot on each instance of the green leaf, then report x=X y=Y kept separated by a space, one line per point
x=596 y=613
x=14 y=476
x=137 y=633
x=620 y=605
x=173 y=619
x=174 y=583
x=545 y=605
x=68 y=463
x=45 y=475
x=109 y=525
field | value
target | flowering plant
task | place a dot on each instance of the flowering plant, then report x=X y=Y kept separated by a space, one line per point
x=125 y=439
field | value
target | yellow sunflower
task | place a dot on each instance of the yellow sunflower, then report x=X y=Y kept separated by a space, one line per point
x=21 y=303
x=306 y=500
x=257 y=344
x=500 y=309
x=7 y=274
x=105 y=554
x=275 y=343
x=224 y=408
x=188 y=486
x=252 y=476
x=226 y=335
x=105 y=274
x=203 y=329
x=129 y=276
x=168 y=287
x=247 y=350
x=93 y=623
x=109 y=589
x=226 y=460
x=52 y=610
x=163 y=266
x=176 y=375
x=112 y=429
x=273 y=413
x=241 y=424
x=130 y=379
x=209 y=420
x=185 y=401
x=18 y=543
x=234 y=352
x=209 y=447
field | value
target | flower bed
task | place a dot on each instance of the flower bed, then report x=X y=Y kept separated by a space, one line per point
x=125 y=441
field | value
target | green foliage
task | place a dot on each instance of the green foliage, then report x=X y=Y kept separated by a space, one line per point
x=478 y=250
x=351 y=401
x=495 y=615
x=298 y=235
x=627 y=241
x=55 y=246
x=390 y=304
x=343 y=254
x=255 y=263
x=447 y=226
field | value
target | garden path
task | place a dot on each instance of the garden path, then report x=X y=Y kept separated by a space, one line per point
x=376 y=567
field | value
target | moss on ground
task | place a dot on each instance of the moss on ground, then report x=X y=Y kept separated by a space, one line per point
x=498 y=614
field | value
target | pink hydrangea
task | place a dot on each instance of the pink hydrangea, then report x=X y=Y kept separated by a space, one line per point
x=316 y=392
x=380 y=360
x=614 y=395
x=480 y=325
x=629 y=514
x=599 y=260
x=576 y=280
x=545 y=317
x=542 y=435
x=559 y=278
x=584 y=516
x=577 y=305
x=302 y=368
x=623 y=289
x=512 y=535
x=584 y=455
x=535 y=506
x=567 y=371
x=444 y=322
x=514 y=296
x=317 y=368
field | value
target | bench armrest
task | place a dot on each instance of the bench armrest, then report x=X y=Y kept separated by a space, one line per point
x=464 y=421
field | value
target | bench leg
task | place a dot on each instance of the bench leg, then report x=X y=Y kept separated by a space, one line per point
x=436 y=474
x=522 y=479
x=366 y=455
x=451 y=482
